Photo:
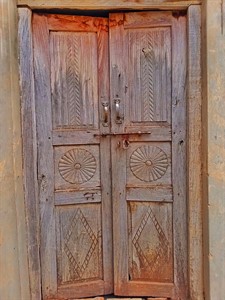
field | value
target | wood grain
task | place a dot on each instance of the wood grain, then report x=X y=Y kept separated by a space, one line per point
x=194 y=153
x=77 y=220
x=74 y=84
x=109 y=4
x=45 y=154
x=179 y=74
x=29 y=149
x=133 y=178
x=76 y=23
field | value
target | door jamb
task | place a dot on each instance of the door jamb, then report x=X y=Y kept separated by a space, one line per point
x=194 y=182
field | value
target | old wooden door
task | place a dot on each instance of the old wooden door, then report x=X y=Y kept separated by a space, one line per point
x=148 y=100
x=110 y=106
x=71 y=76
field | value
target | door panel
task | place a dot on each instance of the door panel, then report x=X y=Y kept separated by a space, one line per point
x=74 y=84
x=71 y=76
x=148 y=99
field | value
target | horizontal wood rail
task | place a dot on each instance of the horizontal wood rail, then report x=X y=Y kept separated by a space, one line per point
x=108 y=4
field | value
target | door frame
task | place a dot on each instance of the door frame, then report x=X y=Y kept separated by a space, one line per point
x=194 y=146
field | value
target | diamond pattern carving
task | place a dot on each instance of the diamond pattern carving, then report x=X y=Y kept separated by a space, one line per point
x=160 y=254
x=79 y=224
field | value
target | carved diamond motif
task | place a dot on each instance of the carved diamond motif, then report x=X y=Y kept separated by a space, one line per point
x=77 y=166
x=148 y=163
x=161 y=254
x=73 y=246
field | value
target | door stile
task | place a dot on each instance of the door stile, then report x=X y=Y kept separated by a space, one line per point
x=45 y=155
x=179 y=155
x=105 y=150
x=117 y=83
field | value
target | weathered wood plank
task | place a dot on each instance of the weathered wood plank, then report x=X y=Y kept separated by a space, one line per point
x=70 y=197
x=194 y=154
x=179 y=74
x=84 y=289
x=70 y=137
x=154 y=194
x=147 y=19
x=154 y=289
x=119 y=175
x=108 y=4
x=45 y=154
x=105 y=158
x=29 y=149
x=75 y=23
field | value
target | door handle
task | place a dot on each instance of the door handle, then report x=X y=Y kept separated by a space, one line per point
x=119 y=118
x=105 y=122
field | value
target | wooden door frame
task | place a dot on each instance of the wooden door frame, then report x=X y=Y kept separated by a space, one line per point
x=194 y=100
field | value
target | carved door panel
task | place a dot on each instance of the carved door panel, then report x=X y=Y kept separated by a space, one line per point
x=71 y=86
x=148 y=95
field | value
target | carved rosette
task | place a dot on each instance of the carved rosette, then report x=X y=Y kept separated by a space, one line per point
x=148 y=163
x=77 y=166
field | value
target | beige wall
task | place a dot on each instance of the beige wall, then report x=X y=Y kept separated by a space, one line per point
x=214 y=146
x=13 y=260
x=14 y=283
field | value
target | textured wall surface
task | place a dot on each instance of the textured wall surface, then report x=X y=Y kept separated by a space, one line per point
x=13 y=261
x=214 y=146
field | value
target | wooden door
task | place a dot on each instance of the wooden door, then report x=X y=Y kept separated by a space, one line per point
x=72 y=90
x=141 y=124
x=148 y=100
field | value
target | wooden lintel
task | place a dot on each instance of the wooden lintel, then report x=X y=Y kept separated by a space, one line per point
x=108 y=4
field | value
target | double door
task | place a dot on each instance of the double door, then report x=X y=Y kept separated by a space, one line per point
x=111 y=129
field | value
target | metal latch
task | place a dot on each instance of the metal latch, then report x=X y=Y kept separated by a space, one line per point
x=122 y=133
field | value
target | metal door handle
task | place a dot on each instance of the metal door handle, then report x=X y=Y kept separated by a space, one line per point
x=119 y=118
x=105 y=114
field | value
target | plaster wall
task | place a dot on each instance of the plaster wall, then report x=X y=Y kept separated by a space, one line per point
x=14 y=283
x=214 y=147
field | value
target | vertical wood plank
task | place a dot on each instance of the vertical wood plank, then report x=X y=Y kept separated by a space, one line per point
x=117 y=77
x=194 y=154
x=45 y=154
x=117 y=69
x=29 y=148
x=179 y=73
x=105 y=159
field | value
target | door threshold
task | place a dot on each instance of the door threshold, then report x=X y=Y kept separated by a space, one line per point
x=122 y=298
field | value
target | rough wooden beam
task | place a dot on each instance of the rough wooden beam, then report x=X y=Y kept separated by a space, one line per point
x=14 y=282
x=194 y=153
x=29 y=148
x=108 y=4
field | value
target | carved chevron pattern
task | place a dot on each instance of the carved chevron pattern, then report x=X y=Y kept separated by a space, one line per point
x=147 y=66
x=73 y=82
